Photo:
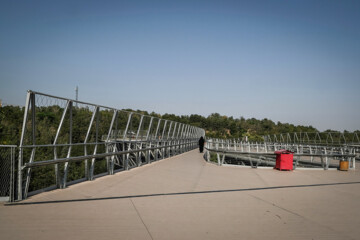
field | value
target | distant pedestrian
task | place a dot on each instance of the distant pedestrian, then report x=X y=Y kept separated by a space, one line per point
x=201 y=144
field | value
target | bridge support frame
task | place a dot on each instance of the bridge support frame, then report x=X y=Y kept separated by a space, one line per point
x=99 y=143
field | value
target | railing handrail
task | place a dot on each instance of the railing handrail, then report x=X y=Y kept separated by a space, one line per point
x=314 y=155
x=101 y=155
x=221 y=150
x=98 y=138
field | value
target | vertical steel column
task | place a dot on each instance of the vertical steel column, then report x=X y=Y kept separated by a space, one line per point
x=85 y=143
x=196 y=134
x=266 y=147
x=182 y=138
x=327 y=161
x=173 y=141
x=138 y=154
x=12 y=171
x=191 y=137
x=66 y=165
x=217 y=154
x=57 y=170
x=177 y=148
x=126 y=159
x=148 y=142
x=353 y=160
x=149 y=129
x=195 y=138
x=91 y=173
x=187 y=138
x=21 y=150
x=32 y=158
x=139 y=127
x=168 y=134
x=173 y=135
x=162 y=140
x=156 y=151
x=168 y=142
x=163 y=132
x=110 y=160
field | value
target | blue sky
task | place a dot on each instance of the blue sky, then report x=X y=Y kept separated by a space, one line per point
x=288 y=61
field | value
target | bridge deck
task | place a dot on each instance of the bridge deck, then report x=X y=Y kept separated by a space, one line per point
x=186 y=198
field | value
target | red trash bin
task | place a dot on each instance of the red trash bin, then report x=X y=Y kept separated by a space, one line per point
x=284 y=160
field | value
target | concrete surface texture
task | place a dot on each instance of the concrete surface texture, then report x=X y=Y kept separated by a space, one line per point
x=186 y=198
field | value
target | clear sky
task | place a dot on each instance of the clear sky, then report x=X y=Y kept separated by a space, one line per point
x=289 y=61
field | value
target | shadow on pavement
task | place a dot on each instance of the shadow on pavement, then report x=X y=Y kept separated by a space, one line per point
x=179 y=193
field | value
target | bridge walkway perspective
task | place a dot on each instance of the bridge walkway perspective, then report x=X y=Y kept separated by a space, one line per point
x=185 y=197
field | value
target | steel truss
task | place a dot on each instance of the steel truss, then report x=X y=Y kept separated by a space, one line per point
x=316 y=138
x=263 y=153
x=120 y=139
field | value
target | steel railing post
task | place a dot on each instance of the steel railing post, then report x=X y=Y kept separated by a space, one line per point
x=33 y=126
x=21 y=150
x=126 y=157
x=66 y=165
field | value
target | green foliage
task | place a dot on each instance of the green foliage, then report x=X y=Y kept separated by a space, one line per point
x=48 y=119
x=11 y=119
x=216 y=125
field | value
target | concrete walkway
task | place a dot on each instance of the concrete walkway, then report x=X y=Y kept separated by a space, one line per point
x=186 y=198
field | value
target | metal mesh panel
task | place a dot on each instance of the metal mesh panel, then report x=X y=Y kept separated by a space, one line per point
x=7 y=161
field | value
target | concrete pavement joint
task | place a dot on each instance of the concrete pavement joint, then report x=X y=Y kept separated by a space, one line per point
x=198 y=177
x=261 y=178
x=141 y=218
x=273 y=204
x=298 y=215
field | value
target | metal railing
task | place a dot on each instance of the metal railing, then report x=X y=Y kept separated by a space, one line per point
x=64 y=140
x=7 y=172
x=256 y=154
x=316 y=138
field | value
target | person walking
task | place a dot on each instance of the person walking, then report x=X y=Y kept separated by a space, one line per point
x=201 y=144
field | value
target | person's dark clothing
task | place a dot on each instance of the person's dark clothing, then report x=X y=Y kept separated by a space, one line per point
x=201 y=144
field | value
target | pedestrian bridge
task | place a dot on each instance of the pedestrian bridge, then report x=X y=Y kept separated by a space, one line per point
x=65 y=141
x=186 y=197
x=142 y=177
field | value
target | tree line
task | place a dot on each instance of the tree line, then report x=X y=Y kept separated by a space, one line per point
x=215 y=125
x=48 y=119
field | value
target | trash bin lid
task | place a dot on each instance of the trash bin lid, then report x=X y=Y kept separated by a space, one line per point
x=283 y=151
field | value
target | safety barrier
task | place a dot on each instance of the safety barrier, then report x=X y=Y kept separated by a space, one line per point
x=7 y=172
x=65 y=140
x=256 y=154
x=316 y=138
